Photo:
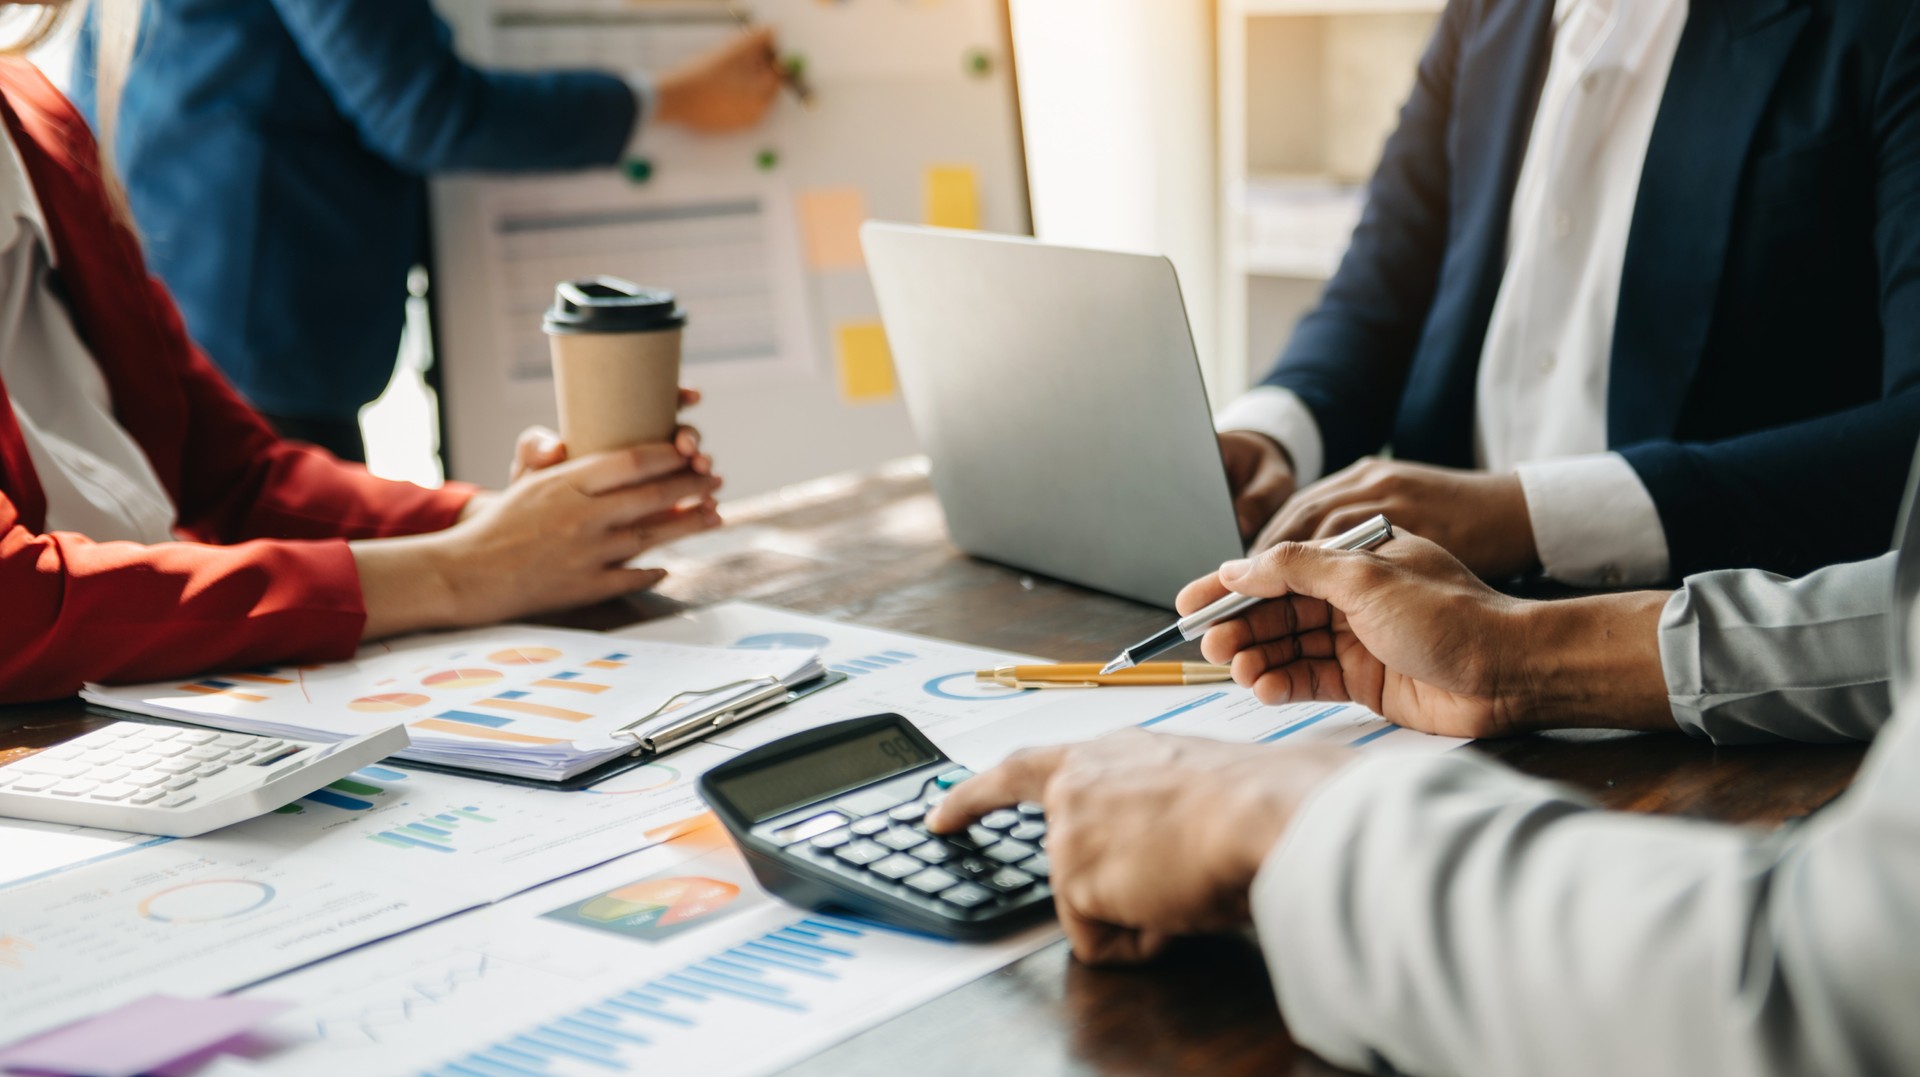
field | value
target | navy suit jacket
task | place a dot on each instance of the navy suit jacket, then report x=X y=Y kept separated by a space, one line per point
x=1765 y=378
x=276 y=152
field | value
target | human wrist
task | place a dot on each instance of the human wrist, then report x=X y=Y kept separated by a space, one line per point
x=407 y=584
x=1260 y=802
x=1592 y=663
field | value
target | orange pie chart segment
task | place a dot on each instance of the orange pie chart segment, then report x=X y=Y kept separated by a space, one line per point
x=388 y=702
x=524 y=656
x=461 y=678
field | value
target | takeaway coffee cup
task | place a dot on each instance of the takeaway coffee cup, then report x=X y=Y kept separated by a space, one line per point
x=616 y=363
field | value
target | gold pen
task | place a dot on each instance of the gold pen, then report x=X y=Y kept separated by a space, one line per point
x=1088 y=675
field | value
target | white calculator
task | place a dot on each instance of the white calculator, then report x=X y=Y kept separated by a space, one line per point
x=152 y=778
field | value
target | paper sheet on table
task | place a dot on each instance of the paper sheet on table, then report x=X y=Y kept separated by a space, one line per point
x=516 y=699
x=669 y=961
x=140 y=1037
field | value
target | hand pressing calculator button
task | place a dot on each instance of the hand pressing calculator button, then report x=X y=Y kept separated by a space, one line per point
x=87 y=770
x=786 y=804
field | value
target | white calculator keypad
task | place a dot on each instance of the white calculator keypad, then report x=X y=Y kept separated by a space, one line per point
x=135 y=763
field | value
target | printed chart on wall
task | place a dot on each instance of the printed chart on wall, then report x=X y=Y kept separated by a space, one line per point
x=911 y=116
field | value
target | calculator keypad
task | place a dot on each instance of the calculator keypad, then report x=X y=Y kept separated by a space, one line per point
x=136 y=763
x=998 y=860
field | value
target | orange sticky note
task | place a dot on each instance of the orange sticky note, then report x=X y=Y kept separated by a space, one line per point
x=866 y=364
x=830 y=220
x=952 y=197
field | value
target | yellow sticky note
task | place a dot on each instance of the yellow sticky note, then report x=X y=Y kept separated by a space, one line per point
x=830 y=220
x=953 y=197
x=866 y=364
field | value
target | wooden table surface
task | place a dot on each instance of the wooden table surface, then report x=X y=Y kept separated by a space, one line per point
x=872 y=549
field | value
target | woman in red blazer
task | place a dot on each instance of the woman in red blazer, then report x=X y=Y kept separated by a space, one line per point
x=285 y=553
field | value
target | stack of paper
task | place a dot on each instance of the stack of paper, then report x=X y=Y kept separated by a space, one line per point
x=532 y=702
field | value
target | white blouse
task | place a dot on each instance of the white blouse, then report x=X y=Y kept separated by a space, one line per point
x=97 y=481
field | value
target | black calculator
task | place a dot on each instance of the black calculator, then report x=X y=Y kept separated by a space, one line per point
x=835 y=818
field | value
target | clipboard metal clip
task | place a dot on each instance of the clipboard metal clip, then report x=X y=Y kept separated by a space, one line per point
x=771 y=694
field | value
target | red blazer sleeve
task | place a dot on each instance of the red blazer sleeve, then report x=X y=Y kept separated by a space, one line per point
x=270 y=578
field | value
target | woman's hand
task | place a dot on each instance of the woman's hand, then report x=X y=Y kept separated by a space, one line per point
x=560 y=535
x=1410 y=632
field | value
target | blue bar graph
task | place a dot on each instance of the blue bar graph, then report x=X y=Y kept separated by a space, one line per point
x=773 y=971
x=1303 y=723
x=1183 y=708
x=1373 y=736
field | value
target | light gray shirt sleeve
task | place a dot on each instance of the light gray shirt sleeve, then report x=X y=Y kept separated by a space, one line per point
x=1750 y=656
x=1444 y=915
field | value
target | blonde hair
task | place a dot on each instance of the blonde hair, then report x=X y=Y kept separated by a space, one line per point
x=116 y=30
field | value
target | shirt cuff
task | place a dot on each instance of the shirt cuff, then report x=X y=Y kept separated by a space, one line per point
x=645 y=100
x=1594 y=523
x=1281 y=415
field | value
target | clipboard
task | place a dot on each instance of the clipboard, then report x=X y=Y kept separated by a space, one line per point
x=641 y=755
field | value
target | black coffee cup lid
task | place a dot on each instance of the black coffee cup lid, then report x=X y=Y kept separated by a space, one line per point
x=611 y=305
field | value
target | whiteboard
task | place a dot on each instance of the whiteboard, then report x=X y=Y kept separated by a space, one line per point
x=915 y=118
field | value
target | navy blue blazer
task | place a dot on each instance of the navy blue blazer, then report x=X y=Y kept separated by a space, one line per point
x=1765 y=380
x=276 y=152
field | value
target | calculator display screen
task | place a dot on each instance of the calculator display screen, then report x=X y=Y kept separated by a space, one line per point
x=781 y=787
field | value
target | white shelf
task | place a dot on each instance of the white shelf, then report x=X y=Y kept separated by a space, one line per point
x=1340 y=7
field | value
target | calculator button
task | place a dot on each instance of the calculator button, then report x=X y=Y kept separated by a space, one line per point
x=165 y=750
x=208 y=770
x=175 y=766
x=117 y=729
x=181 y=782
x=160 y=732
x=197 y=736
x=933 y=852
x=931 y=881
x=1037 y=865
x=59 y=768
x=900 y=839
x=33 y=783
x=1000 y=820
x=138 y=761
x=908 y=813
x=206 y=754
x=108 y=774
x=981 y=836
x=1030 y=830
x=967 y=896
x=953 y=777
x=1011 y=852
x=868 y=801
x=146 y=796
x=116 y=791
x=833 y=839
x=1009 y=880
x=268 y=745
x=897 y=867
x=232 y=740
x=146 y=779
x=177 y=799
x=1030 y=809
x=861 y=852
x=73 y=787
x=974 y=866
x=871 y=825
x=100 y=758
x=64 y=751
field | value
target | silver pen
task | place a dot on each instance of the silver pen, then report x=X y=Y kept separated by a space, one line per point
x=1195 y=624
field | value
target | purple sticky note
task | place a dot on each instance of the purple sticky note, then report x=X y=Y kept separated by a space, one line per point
x=138 y=1037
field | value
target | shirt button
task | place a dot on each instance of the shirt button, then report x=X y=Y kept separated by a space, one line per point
x=1562 y=224
x=1546 y=363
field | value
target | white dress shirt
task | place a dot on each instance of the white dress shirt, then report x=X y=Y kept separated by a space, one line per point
x=96 y=480
x=1541 y=396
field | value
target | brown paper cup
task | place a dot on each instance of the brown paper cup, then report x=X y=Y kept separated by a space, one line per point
x=616 y=389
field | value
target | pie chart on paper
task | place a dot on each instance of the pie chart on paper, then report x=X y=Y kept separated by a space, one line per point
x=524 y=656
x=461 y=678
x=388 y=703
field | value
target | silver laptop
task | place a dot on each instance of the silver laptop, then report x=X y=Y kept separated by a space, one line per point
x=1057 y=391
